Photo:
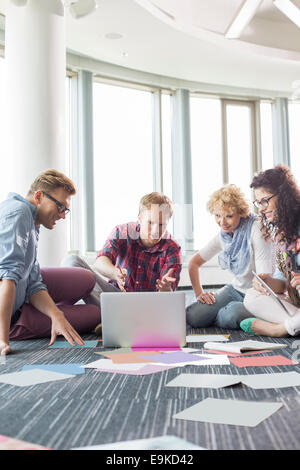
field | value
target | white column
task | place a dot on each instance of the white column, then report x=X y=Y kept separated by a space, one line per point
x=281 y=141
x=35 y=58
x=182 y=171
x=86 y=157
x=157 y=142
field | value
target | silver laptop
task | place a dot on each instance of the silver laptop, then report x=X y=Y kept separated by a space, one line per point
x=272 y=293
x=143 y=319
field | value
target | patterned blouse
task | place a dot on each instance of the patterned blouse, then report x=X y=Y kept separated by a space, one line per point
x=285 y=251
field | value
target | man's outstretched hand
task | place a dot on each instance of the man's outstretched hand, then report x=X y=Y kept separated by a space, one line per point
x=61 y=326
x=165 y=283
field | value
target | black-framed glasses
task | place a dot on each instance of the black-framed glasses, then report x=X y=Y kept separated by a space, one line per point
x=264 y=202
x=60 y=207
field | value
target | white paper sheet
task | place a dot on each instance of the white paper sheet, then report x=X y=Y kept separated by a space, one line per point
x=234 y=412
x=32 y=377
x=276 y=380
x=110 y=365
x=163 y=443
x=204 y=380
x=205 y=338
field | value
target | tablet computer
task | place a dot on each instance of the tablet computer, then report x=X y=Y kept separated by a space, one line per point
x=272 y=293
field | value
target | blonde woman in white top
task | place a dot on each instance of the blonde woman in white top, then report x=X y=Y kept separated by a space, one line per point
x=241 y=249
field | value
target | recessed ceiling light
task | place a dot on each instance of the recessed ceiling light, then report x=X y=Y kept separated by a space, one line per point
x=124 y=54
x=113 y=35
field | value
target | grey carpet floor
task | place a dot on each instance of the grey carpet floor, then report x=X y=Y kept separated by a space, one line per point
x=98 y=408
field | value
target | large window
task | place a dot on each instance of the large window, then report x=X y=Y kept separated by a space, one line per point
x=122 y=154
x=223 y=151
x=207 y=173
x=294 y=125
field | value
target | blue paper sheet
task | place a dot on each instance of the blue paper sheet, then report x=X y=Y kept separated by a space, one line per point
x=73 y=369
x=65 y=344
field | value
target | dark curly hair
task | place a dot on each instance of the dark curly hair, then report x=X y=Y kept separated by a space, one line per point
x=280 y=181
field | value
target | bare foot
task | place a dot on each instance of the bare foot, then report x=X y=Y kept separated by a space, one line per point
x=98 y=329
x=4 y=348
x=275 y=330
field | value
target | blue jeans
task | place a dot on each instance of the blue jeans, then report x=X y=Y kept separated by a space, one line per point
x=227 y=312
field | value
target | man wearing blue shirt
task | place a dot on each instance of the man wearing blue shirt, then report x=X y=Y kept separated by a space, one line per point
x=26 y=308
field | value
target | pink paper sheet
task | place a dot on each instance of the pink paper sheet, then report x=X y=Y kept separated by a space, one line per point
x=156 y=349
x=8 y=443
x=261 y=361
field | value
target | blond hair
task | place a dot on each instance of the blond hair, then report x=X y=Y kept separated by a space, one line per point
x=229 y=197
x=50 y=180
x=156 y=199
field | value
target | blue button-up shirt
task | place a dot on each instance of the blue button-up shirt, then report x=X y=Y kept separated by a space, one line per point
x=18 y=247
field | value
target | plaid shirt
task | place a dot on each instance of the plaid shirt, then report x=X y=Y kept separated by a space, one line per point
x=144 y=265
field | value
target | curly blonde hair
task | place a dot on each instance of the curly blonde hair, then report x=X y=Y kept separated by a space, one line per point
x=229 y=197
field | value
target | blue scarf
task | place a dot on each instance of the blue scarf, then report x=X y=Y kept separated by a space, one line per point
x=236 y=254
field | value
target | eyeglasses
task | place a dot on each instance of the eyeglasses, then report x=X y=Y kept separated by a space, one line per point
x=264 y=202
x=60 y=207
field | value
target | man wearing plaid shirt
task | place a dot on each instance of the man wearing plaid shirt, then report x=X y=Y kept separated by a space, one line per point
x=138 y=256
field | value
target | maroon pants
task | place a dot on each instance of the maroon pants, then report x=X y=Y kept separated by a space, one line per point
x=66 y=286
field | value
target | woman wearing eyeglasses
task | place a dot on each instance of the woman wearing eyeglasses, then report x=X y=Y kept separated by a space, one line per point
x=278 y=199
x=241 y=248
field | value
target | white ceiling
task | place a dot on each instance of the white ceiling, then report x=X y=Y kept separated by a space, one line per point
x=184 y=39
x=269 y=27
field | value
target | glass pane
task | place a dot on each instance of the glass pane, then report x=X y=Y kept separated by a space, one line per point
x=4 y=186
x=166 y=144
x=239 y=147
x=207 y=175
x=294 y=125
x=68 y=153
x=122 y=155
x=167 y=149
x=266 y=135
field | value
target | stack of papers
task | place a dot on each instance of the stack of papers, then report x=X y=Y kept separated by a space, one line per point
x=232 y=354
x=206 y=338
x=146 y=362
x=241 y=346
